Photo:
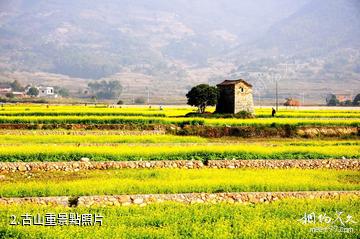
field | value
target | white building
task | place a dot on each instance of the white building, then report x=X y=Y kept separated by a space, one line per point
x=46 y=91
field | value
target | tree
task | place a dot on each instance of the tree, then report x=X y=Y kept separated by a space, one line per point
x=202 y=96
x=106 y=89
x=33 y=91
x=333 y=101
x=15 y=86
x=63 y=92
x=347 y=103
x=140 y=100
x=356 y=101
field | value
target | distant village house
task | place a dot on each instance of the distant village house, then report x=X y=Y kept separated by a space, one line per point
x=5 y=88
x=341 y=99
x=235 y=96
x=290 y=102
x=344 y=97
x=46 y=91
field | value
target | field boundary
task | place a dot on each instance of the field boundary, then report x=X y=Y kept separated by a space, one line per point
x=84 y=164
x=209 y=131
x=188 y=198
x=268 y=131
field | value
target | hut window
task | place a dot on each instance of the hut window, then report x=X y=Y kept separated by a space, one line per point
x=242 y=90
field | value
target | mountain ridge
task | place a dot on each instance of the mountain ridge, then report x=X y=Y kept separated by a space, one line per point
x=182 y=43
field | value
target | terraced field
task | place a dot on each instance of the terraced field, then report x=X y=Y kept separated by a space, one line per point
x=103 y=115
x=69 y=151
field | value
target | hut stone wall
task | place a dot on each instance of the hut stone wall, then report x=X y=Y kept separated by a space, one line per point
x=235 y=96
x=243 y=98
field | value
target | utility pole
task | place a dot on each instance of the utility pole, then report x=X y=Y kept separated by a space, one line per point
x=259 y=94
x=303 y=99
x=277 y=96
x=148 y=95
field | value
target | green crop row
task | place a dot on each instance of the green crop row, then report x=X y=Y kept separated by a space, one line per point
x=270 y=122
x=171 y=111
x=281 y=219
x=26 y=153
x=266 y=114
x=79 y=120
x=29 y=109
x=155 y=181
x=16 y=137
x=29 y=113
x=309 y=115
x=131 y=120
x=98 y=139
x=283 y=113
x=274 y=122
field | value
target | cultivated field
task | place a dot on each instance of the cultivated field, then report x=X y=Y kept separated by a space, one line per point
x=174 y=220
x=66 y=143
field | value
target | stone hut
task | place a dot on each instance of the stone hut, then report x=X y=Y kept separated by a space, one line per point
x=235 y=96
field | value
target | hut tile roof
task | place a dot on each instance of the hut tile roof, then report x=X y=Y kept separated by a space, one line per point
x=234 y=82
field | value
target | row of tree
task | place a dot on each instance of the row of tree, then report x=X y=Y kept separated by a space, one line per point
x=16 y=86
x=332 y=100
x=105 y=89
x=98 y=89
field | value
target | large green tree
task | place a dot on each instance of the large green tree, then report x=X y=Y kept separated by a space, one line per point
x=356 y=101
x=33 y=91
x=64 y=92
x=333 y=101
x=106 y=89
x=202 y=96
x=16 y=86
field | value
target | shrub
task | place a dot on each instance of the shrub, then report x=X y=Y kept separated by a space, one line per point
x=140 y=100
x=244 y=115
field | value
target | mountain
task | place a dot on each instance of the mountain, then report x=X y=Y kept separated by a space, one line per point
x=313 y=51
x=155 y=45
x=319 y=25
